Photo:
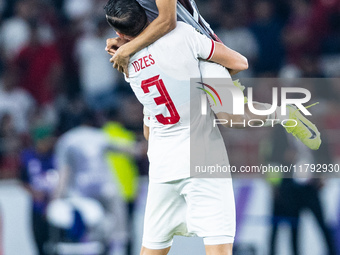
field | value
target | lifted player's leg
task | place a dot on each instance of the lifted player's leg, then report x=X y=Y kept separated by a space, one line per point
x=303 y=129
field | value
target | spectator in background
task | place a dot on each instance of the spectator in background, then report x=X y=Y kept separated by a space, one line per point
x=78 y=9
x=70 y=114
x=16 y=102
x=239 y=38
x=67 y=36
x=2 y=8
x=267 y=31
x=299 y=35
x=131 y=111
x=40 y=71
x=331 y=42
x=77 y=22
x=2 y=58
x=308 y=192
x=10 y=146
x=39 y=178
x=84 y=172
x=309 y=65
x=123 y=166
x=297 y=191
x=213 y=11
x=97 y=79
x=322 y=13
x=15 y=32
x=285 y=207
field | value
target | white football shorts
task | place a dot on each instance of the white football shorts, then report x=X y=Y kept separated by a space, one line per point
x=190 y=207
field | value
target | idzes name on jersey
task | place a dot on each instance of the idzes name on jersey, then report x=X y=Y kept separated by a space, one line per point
x=143 y=63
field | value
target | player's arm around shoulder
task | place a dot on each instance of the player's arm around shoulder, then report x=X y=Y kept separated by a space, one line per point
x=166 y=15
x=229 y=58
x=165 y=22
x=207 y=49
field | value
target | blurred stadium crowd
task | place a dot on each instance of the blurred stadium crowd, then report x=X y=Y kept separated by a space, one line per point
x=53 y=63
x=53 y=69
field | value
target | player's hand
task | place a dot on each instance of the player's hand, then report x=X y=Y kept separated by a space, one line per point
x=120 y=60
x=112 y=45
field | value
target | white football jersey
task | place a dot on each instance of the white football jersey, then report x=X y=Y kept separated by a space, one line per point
x=160 y=77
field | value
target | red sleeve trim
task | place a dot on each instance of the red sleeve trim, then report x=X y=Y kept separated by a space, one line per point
x=212 y=50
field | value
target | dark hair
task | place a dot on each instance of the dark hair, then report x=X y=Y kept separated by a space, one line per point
x=126 y=16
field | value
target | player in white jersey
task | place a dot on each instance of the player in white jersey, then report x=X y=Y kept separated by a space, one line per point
x=178 y=203
x=84 y=172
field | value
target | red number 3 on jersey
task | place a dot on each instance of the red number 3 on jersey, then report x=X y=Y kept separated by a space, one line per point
x=164 y=98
